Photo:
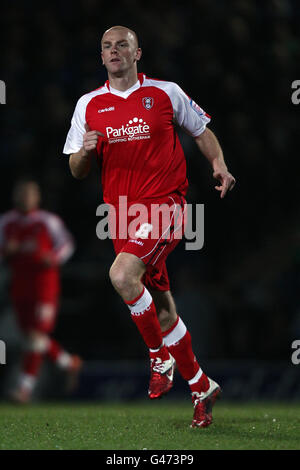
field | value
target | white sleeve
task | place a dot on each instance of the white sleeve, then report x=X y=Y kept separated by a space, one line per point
x=63 y=243
x=74 y=139
x=187 y=113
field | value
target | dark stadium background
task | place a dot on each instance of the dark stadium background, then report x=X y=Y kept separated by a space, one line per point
x=239 y=295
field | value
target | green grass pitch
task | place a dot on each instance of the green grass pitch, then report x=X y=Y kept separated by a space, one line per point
x=158 y=425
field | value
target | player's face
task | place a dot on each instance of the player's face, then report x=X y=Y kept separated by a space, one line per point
x=27 y=196
x=120 y=51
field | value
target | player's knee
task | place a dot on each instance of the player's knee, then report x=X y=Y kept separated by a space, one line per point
x=120 y=279
x=36 y=342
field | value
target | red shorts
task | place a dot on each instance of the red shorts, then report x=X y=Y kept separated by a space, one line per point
x=153 y=229
x=35 y=315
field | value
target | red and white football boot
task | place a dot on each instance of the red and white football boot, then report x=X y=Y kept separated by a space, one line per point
x=203 y=404
x=21 y=395
x=73 y=372
x=161 y=380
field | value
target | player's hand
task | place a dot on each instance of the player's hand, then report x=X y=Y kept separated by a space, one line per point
x=90 y=139
x=227 y=182
x=49 y=260
x=11 y=248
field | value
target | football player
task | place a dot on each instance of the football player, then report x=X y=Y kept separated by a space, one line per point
x=129 y=124
x=35 y=243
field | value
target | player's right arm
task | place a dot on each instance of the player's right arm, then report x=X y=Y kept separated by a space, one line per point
x=80 y=162
x=9 y=246
x=81 y=142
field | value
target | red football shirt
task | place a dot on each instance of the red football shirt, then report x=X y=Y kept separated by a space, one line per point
x=141 y=155
x=38 y=233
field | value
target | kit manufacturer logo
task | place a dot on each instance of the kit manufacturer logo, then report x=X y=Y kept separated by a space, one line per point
x=104 y=110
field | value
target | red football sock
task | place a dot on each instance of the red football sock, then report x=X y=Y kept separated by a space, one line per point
x=143 y=313
x=58 y=355
x=32 y=361
x=54 y=350
x=162 y=353
x=179 y=343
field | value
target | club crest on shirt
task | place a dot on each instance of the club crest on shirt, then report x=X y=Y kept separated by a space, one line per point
x=148 y=102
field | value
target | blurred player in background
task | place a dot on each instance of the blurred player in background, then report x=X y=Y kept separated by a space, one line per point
x=34 y=243
x=129 y=123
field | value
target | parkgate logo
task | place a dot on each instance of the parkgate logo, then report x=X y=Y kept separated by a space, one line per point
x=2 y=352
x=2 y=92
x=135 y=129
x=160 y=222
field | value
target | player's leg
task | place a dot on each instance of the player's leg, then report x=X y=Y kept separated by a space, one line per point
x=165 y=307
x=37 y=320
x=176 y=336
x=179 y=343
x=145 y=250
x=46 y=315
x=160 y=384
x=126 y=274
x=70 y=363
x=32 y=358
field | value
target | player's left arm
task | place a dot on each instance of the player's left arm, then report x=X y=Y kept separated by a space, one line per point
x=62 y=240
x=209 y=146
x=193 y=120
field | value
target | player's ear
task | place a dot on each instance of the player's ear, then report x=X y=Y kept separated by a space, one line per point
x=138 y=53
x=102 y=58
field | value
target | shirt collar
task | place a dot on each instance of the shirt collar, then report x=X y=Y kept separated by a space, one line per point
x=126 y=93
